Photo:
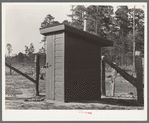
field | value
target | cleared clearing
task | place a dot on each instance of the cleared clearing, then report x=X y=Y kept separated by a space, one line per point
x=123 y=100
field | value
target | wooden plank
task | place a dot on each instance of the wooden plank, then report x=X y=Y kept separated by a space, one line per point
x=53 y=65
x=59 y=65
x=23 y=74
x=37 y=74
x=59 y=84
x=59 y=59
x=10 y=70
x=59 y=79
x=58 y=69
x=46 y=31
x=50 y=70
x=60 y=35
x=59 y=97
x=98 y=87
x=59 y=47
x=103 y=79
x=59 y=72
x=59 y=91
x=59 y=41
x=139 y=73
x=59 y=53
x=114 y=74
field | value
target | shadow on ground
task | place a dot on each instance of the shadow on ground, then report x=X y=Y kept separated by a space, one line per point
x=114 y=101
x=104 y=100
x=106 y=103
x=24 y=97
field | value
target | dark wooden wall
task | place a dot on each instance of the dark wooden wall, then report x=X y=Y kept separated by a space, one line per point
x=82 y=69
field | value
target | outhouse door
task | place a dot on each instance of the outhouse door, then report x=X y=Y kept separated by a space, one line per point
x=50 y=68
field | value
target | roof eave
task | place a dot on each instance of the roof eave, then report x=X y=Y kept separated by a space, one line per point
x=63 y=27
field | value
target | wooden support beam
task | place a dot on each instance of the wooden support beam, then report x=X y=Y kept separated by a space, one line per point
x=139 y=73
x=113 y=87
x=10 y=70
x=23 y=74
x=114 y=74
x=37 y=75
x=124 y=74
x=103 y=79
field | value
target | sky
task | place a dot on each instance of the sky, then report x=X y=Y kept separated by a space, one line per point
x=21 y=22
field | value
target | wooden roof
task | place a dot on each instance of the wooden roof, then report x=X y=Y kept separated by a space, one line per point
x=103 y=42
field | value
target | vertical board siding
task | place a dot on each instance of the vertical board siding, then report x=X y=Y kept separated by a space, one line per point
x=52 y=71
x=48 y=70
x=99 y=74
x=82 y=69
x=59 y=66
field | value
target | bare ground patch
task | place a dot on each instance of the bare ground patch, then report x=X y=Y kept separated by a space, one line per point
x=26 y=90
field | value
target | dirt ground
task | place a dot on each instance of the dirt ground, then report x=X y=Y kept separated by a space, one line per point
x=25 y=89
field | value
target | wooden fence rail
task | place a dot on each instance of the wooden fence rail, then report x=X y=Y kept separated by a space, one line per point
x=136 y=82
x=103 y=86
x=139 y=73
x=28 y=77
x=124 y=74
x=23 y=74
x=37 y=74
